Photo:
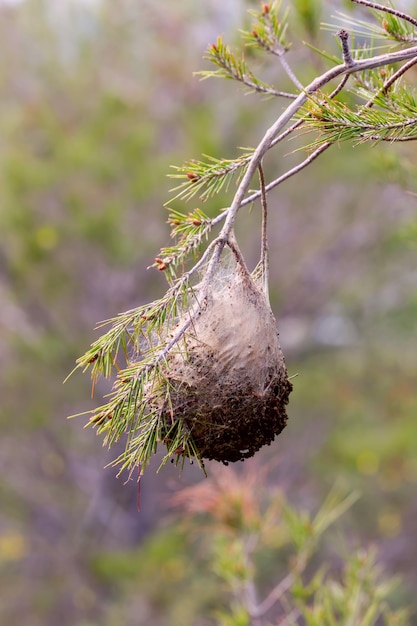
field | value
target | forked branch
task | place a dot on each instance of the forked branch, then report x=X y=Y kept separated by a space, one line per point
x=316 y=85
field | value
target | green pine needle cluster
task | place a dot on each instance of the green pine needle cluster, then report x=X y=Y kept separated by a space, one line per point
x=270 y=29
x=393 y=117
x=268 y=34
x=136 y=346
x=189 y=231
x=207 y=178
x=384 y=31
x=235 y=68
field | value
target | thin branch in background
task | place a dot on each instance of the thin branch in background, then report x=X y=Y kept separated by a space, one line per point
x=276 y=594
x=290 y=619
x=250 y=598
x=385 y=9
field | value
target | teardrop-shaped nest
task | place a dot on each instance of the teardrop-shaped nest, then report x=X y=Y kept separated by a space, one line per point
x=226 y=379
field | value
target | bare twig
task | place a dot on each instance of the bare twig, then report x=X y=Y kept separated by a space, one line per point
x=286 y=67
x=291 y=172
x=339 y=88
x=264 y=261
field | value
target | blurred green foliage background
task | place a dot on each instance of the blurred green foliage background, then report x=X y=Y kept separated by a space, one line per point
x=97 y=100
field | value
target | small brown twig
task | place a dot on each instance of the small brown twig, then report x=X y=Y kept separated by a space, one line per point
x=339 y=88
x=264 y=260
x=390 y=81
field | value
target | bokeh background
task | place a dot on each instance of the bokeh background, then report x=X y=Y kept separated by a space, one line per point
x=97 y=99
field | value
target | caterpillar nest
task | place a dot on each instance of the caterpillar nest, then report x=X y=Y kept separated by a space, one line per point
x=226 y=377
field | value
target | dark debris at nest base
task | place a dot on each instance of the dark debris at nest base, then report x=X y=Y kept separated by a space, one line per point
x=230 y=422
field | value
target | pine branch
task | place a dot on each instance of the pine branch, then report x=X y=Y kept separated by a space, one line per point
x=388 y=10
x=269 y=30
x=207 y=178
x=380 y=88
x=190 y=230
x=387 y=30
x=292 y=110
x=269 y=34
x=139 y=341
x=233 y=68
x=130 y=331
x=393 y=117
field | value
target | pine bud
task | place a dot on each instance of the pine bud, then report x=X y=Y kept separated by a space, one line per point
x=162 y=264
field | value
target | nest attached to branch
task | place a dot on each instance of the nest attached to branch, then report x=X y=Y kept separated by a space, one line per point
x=226 y=377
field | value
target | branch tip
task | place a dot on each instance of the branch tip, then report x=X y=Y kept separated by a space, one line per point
x=344 y=38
